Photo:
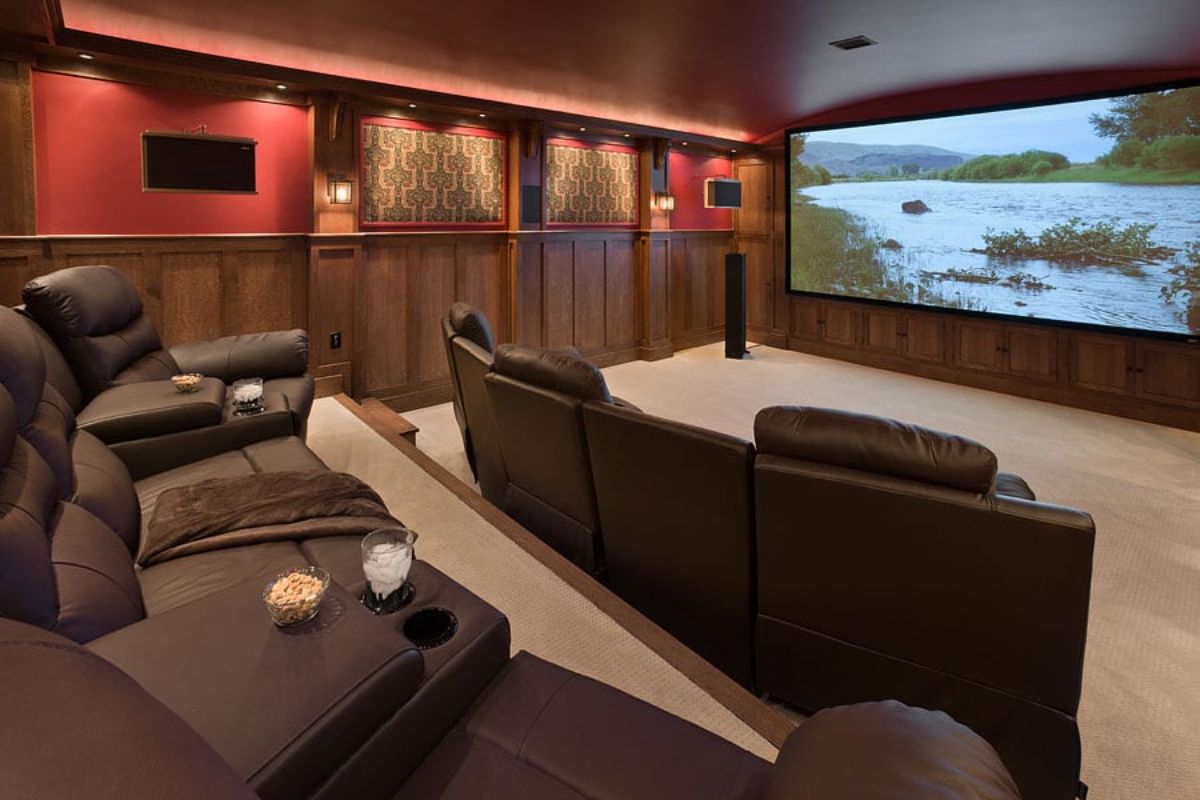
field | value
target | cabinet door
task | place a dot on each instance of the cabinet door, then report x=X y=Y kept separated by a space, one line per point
x=1168 y=373
x=978 y=345
x=805 y=319
x=925 y=338
x=881 y=331
x=1031 y=352
x=1100 y=363
x=841 y=324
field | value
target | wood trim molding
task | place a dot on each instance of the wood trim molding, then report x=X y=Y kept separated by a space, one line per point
x=764 y=720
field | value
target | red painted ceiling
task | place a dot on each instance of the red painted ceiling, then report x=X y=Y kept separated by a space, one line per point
x=733 y=70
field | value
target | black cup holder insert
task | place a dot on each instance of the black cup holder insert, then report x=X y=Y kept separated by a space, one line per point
x=430 y=627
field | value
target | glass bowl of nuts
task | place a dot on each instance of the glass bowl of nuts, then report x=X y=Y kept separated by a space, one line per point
x=295 y=596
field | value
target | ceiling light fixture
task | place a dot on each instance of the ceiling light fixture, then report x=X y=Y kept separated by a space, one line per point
x=853 y=43
x=482 y=115
x=627 y=136
x=684 y=144
x=412 y=105
x=87 y=56
x=581 y=130
x=281 y=87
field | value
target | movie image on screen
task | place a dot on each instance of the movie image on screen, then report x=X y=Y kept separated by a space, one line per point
x=1086 y=211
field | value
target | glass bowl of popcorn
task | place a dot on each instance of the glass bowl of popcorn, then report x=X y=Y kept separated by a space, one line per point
x=295 y=596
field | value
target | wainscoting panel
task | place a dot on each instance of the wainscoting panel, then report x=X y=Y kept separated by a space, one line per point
x=696 y=286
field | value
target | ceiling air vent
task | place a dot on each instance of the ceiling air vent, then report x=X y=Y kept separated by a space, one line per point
x=853 y=43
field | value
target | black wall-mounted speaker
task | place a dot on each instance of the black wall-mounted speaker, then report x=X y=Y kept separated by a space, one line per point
x=722 y=193
x=735 y=305
x=531 y=205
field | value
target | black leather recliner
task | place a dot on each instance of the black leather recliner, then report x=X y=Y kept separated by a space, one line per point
x=469 y=348
x=537 y=398
x=117 y=376
x=895 y=561
x=676 y=505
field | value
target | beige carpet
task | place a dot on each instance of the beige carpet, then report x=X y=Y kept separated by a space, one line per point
x=1140 y=712
x=548 y=617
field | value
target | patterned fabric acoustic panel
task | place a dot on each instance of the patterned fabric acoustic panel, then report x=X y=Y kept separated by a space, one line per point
x=414 y=175
x=590 y=184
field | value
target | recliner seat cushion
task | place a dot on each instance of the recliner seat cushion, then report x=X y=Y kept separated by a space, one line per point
x=563 y=371
x=540 y=732
x=468 y=321
x=875 y=444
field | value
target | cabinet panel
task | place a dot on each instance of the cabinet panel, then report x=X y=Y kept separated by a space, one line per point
x=881 y=331
x=804 y=320
x=1169 y=373
x=841 y=325
x=978 y=345
x=1100 y=363
x=925 y=338
x=1031 y=352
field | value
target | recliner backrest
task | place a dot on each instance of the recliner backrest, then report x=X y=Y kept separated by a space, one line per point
x=95 y=316
x=68 y=510
x=76 y=726
x=468 y=323
x=537 y=397
x=472 y=363
x=889 y=567
x=677 y=509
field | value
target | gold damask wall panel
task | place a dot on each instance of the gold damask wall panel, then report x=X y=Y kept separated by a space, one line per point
x=415 y=176
x=590 y=185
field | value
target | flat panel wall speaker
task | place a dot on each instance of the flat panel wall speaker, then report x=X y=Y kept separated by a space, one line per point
x=735 y=305
x=722 y=193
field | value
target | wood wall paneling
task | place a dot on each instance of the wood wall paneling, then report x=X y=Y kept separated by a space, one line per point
x=620 y=295
x=18 y=201
x=332 y=272
x=881 y=331
x=977 y=345
x=1168 y=373
x=1031 y=352
x=558 y=294
x=925 y=337
x=1100 y=363
x=841 y=324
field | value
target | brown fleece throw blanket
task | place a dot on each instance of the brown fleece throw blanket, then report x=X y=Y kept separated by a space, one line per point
x=264 y=507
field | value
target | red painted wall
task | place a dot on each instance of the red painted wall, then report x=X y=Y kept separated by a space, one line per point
x=687 y=173
x=87 y=138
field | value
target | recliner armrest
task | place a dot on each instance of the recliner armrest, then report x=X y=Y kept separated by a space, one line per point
x=887 y=750
x=151 y=408
x=275 y=354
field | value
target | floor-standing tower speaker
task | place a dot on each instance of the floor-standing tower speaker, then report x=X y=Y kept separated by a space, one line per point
x=735 y=305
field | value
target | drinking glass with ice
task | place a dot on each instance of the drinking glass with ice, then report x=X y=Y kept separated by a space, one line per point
x=387 y=558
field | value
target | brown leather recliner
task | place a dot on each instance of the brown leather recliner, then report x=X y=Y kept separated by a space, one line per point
x=95 y=317
x=75 y=725
x=537 y=398
x=469 y=347
x=677 y=509
x=895 y=562
x=71 y=516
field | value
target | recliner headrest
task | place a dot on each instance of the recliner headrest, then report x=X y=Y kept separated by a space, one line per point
x=875 y=444
x=564 y=370
x=22 y=366
x=469 y=321
x=83 y=301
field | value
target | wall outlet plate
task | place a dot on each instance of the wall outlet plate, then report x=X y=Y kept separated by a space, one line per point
x=335 y=340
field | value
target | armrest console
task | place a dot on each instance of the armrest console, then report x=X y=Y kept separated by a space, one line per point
x=153 y=454
x=275 y=354
x=151 y=408
x=285 y=707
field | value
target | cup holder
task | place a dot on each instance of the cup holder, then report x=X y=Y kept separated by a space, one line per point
x=430 y=627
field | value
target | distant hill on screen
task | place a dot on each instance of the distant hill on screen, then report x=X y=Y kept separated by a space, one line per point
x=841 y=158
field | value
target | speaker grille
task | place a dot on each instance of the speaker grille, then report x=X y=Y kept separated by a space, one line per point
x=853 y=43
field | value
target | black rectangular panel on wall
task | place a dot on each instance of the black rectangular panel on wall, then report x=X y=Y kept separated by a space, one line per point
x=531 y=205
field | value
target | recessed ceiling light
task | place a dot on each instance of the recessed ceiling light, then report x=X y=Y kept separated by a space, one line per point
x=281 y=86
x=412 y=105
x=86 y=56
x=581 y=130
x=733 y=151
x=627 y=136
x=481 y=116
x=684 y=144
x=853 y=43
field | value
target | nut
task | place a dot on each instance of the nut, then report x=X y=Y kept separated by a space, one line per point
x=294 y=597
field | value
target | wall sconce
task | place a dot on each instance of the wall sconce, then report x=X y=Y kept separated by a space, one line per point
x=341 y=191
x=663 y=201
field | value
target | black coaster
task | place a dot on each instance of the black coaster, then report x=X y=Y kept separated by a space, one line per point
x=390 y=604
x=430 y=627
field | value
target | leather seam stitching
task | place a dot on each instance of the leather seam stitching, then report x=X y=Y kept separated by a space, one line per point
x=537 y=719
